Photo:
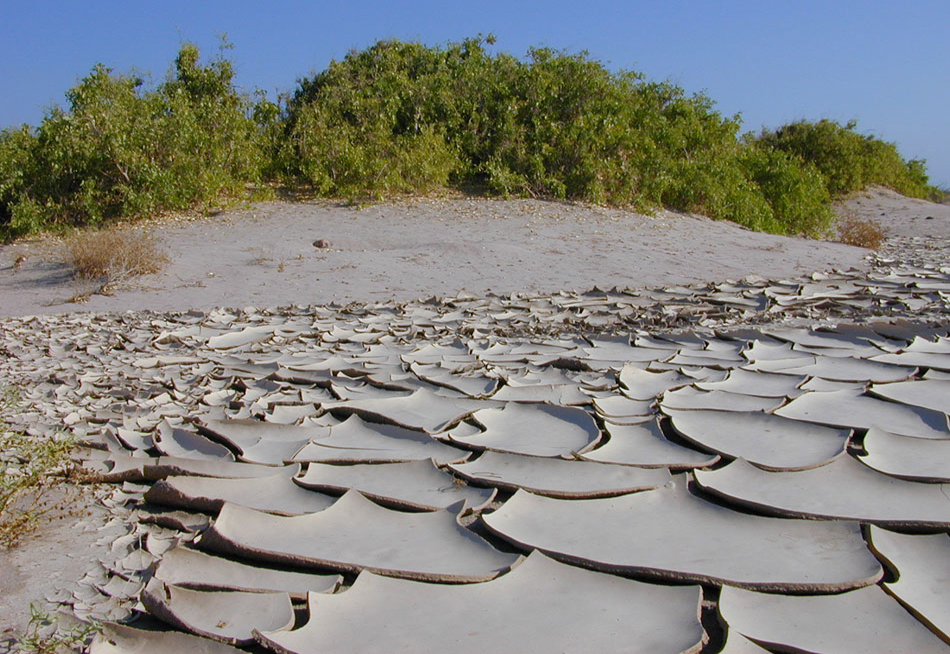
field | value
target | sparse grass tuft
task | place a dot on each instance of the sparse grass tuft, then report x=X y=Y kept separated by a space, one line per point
x=46 y=635
x=862 y=232
x=113 y=255
x=31 y=470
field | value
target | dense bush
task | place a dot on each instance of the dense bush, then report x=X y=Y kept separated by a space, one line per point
x=848 y=160
x=406 y=118
x=401 y=116
x=18 y=215
x=553 y=126
x=795 y=191
x=120 y=150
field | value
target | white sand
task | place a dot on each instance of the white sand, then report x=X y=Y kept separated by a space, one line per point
x=264 y=256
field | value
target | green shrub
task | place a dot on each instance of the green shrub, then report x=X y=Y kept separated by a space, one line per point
x=340 y=159
x=796 y=193
x=18 y=213
x=939 y=194
x=406 y=118
x=849 y=161
x=554 y=125
x=363 y=126
x=119 y=150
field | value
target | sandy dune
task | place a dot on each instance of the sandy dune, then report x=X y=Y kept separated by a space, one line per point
x=264 y=256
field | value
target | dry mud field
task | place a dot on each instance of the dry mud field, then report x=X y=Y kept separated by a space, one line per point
x=495 y=426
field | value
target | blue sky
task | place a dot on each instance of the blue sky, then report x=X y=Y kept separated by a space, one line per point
x=884 y=63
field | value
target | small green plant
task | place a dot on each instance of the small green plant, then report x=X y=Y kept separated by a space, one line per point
x=31 y=469
x=45 y=634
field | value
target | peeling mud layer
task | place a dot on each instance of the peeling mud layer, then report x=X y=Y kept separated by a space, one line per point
x=747 y=410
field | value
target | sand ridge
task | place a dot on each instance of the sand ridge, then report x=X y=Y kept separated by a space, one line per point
x=264 y=255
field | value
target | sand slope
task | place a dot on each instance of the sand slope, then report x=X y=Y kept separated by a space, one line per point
x=264 y=256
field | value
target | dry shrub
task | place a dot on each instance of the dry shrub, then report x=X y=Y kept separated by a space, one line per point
x=114 y=254
x=862 y=232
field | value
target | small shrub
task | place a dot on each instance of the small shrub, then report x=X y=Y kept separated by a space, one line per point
x=939 y=194
x=113 y=255
x=861 y=232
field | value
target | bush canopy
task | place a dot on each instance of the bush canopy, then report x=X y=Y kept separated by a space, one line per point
x=408 y=118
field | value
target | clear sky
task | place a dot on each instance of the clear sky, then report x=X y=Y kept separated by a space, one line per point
x=881 y=62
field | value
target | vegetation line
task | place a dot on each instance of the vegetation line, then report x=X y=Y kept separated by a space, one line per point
x=407 y=118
